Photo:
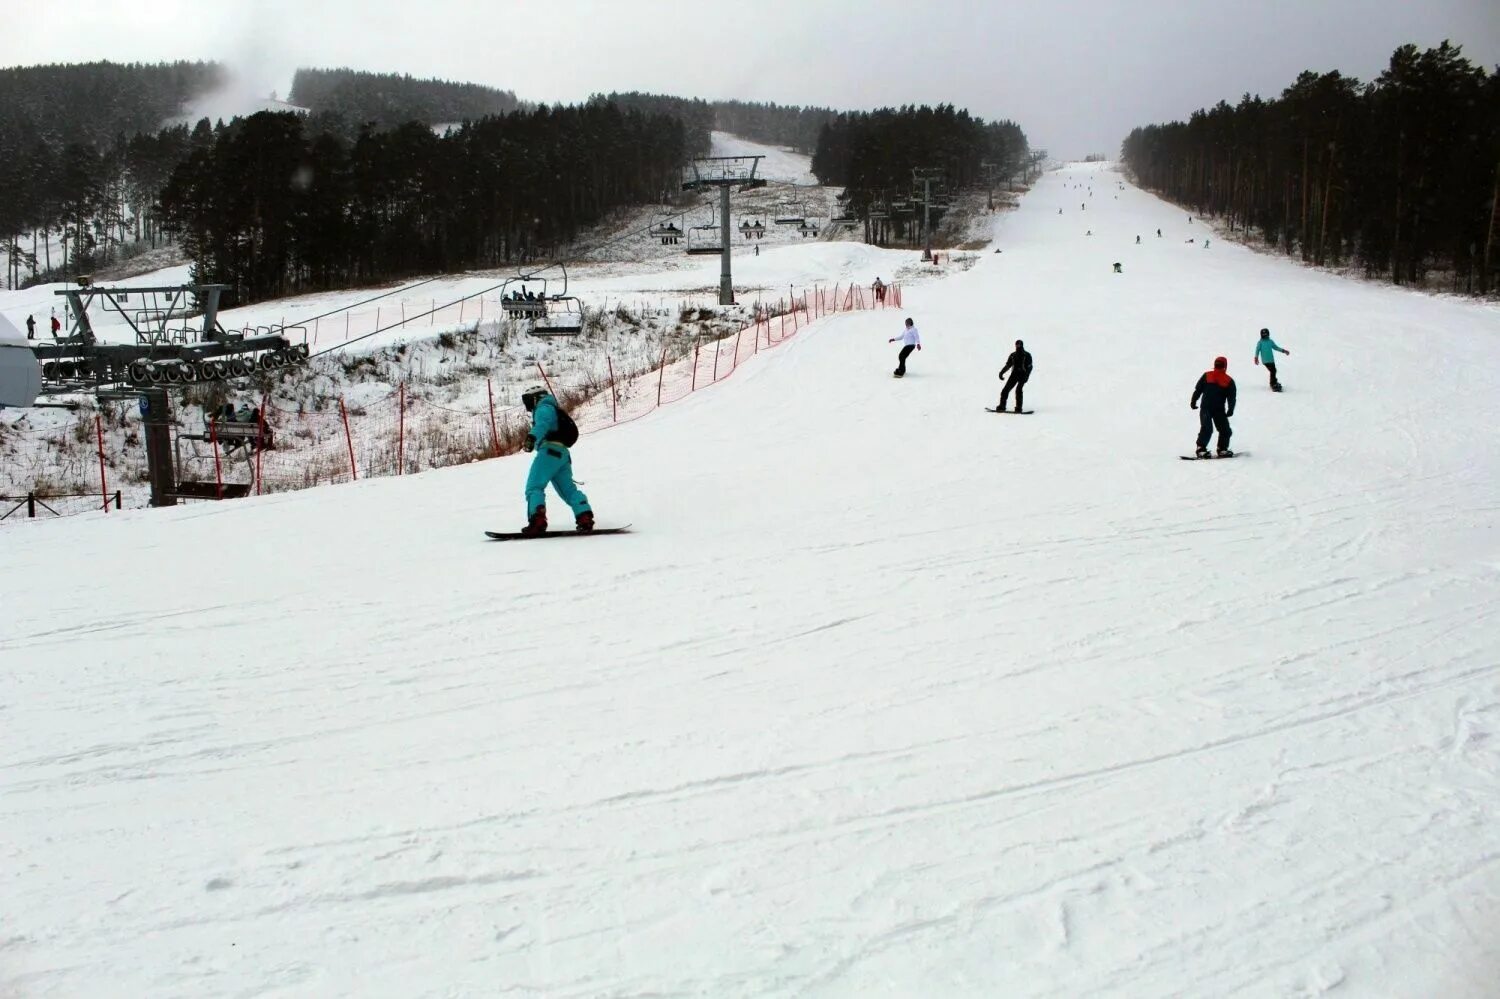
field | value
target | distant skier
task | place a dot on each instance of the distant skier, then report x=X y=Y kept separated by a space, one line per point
x=1158 y=234
x=31 y=327
x=1265 y=353
x=910 y=340
x=1217 y=391
x=1019 y=366
x=56 y=326
x=1138 y=241
x=552 y=433
x=879 y=288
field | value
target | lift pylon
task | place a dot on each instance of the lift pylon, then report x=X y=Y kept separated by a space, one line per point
x=724 y=173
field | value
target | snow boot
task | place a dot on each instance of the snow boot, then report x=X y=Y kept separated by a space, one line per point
x=537 y=524
x=1202 y=452
x=585 y=522
x=1224 y=452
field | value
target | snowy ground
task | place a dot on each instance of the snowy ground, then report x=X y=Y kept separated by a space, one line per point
x=884 y=696
x=778 y=164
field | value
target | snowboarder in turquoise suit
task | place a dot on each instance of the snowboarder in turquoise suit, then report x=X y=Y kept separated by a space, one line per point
x=552 y=433
x=1265 y=353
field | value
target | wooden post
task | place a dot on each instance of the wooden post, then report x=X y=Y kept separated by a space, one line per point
x=716 y=359
x=401 y=431
x=661 y=371
x=348 y=439
x=103 y=486
x=545 y=380
x=695 y=368
x=213 y=438
x=260 y=441
x=489 y=386
x=614 y=398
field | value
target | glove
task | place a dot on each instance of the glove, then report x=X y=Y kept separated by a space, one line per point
x=1257 y=358
x=919 y=346
x=1287 y=353
x=1192 y=405
x=529 y=444
x=891 y=340
x=1228 y=414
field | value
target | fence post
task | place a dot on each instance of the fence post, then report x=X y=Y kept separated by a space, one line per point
x=377 y=319
x=260 y=441
x=481 y=308
x=103 y=487
x=614 y=399
x=346 y=325
x=316 y=323
x=403 y=312
x=348 y=439
x=716 y=359
x=695 y=367
x=461 y=310
x=31 y=506
x=213 y=438
x=401 y=431
x=489 y=386
x=661 y=372
x=835 y=297
x=117 y=499
x=736 y=363
x=545 y=380
x=432 y=313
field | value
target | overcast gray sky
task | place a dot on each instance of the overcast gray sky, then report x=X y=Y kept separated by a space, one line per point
x=1077 y=75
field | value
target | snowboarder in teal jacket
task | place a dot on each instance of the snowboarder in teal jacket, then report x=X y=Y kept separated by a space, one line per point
x=1265 y=353
x=552 y=433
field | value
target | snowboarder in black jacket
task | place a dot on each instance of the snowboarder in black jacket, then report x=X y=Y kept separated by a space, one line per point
x=1217 y=391
x=1019 y=366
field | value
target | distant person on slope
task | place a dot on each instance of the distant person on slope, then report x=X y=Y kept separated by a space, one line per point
x=879 y=288
x=1019 y=366
x=31 y=327
x=552 y=433
x=1217 y=391
x=910 y=340
x=1265 y=353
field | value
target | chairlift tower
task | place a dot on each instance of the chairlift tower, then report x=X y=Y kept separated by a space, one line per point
x=925 y=176
x=724 y=173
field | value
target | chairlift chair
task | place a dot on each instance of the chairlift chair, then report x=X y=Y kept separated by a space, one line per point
x=564 y=317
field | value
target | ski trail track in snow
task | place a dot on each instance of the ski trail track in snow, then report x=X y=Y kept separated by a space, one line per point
x=883 y=695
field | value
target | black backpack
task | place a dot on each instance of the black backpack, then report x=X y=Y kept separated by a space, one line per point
x=566 y=433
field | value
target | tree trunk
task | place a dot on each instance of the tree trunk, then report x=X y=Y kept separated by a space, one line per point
x=1489 y=239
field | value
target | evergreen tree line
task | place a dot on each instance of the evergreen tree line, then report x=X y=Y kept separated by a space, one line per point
x=872 y=156
x=773 y=124
x=697 y=116
x=392 y=99
x=1400 y=176
x=271 y=207
x=94 y=103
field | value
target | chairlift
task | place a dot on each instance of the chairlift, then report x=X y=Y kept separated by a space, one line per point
x=790 y=213
x=517 y=307
x=751 y=226
x=666 y=230
x=705 y=244
x=809 y=227
x=564 y=317
x=234 y=476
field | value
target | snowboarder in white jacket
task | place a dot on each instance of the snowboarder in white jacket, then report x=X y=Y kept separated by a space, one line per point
x=910 y=340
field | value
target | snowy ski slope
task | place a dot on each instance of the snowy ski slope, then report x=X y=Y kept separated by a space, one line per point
x=885 y=696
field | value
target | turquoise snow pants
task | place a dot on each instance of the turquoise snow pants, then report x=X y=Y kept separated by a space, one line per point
x=553 y=464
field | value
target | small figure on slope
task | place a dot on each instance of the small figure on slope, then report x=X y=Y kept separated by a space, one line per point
x=1265 y=353
x=1217 y=391
x=552 y=433
x=910 y=340
x=1019 y=366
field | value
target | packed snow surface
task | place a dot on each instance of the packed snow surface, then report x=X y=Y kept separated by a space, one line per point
x=885 y=695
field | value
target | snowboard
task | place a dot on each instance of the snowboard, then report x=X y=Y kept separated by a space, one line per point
x=518 y=536
x=1011 y=412
x=1214 y=457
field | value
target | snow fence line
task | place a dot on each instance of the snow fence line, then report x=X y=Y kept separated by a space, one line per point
x=402 y=433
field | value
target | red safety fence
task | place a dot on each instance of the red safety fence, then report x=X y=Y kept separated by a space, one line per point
x=402 y=431
x=393 y=431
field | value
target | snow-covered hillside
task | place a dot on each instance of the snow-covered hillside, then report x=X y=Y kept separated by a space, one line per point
x=884 y=695
x=778 y=164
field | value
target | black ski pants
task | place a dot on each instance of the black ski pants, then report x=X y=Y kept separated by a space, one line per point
x=1015 y=382
x=901 y=358
x=1210 y=420
x=1271 y=367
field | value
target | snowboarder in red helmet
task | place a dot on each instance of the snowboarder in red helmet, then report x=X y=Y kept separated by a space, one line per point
x=1216 y=390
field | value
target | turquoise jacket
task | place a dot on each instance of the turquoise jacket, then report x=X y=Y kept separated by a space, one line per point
x=1265 y=350
x=544 y=419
